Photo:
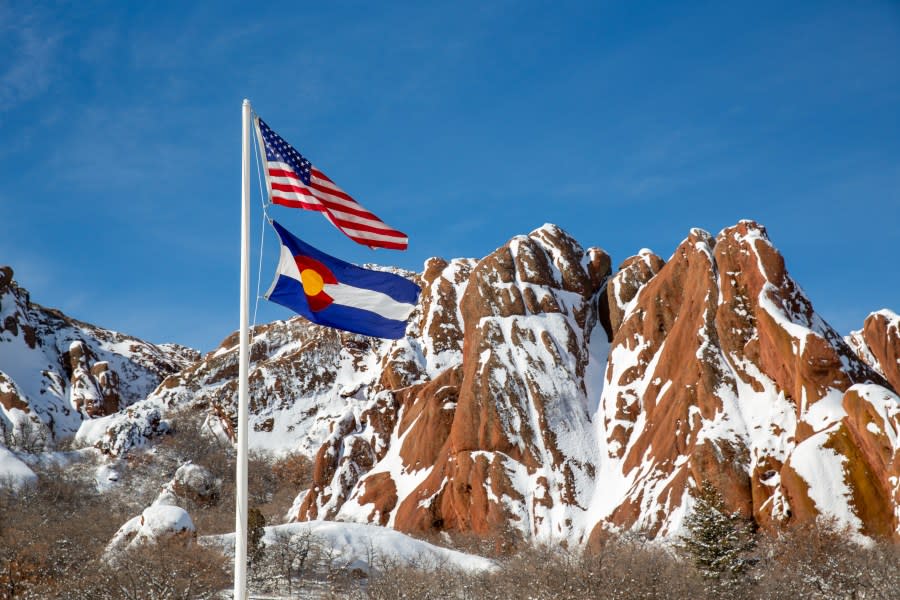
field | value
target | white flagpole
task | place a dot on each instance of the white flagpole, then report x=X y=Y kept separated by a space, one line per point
x=240 y=527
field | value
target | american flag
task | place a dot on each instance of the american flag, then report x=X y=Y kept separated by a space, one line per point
x=293 y=181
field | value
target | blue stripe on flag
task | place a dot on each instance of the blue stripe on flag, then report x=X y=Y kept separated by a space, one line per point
x=288 y=292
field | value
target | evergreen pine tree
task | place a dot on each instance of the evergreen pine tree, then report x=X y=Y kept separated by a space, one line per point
x=716 y=541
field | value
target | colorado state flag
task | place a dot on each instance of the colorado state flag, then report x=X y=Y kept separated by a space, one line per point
x=329 y=291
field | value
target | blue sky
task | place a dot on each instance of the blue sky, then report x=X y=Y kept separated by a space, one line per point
x=463 y=124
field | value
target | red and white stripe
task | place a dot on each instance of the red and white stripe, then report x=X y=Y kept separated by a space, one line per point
x=287 y=189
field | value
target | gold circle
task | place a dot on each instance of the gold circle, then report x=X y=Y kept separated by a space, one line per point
x=312 y=282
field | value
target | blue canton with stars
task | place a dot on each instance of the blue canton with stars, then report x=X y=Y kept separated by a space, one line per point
x=280 y=151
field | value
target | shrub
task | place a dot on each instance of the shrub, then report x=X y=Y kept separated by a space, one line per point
x=820 y=560
x=165 y=570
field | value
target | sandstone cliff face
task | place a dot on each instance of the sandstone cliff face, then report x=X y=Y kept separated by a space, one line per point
x=721 y=370
x=365 y=433
x=501 y=437
x=718 y=369
x=633 y=273
x=55 y=371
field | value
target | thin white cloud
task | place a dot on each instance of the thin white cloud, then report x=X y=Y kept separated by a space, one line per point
x=29 y=56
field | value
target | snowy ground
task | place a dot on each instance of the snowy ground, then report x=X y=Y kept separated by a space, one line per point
x=356 y=544
x=13 y=471
x=353 y=547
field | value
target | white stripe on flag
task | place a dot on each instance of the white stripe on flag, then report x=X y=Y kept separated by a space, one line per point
x=344 y=294
x=370 y=300
x=345 y=216
x=288 y=180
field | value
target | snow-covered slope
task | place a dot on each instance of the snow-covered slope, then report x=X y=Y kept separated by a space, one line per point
x=304 y=378
x=14 y=472
x=56 y=372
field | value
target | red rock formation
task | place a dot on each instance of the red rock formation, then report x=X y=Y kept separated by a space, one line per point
x=84 y=393
x=722 y=371
x=633 y=273
x=488 y=439
x=878 y=344
x=94 y=388
x=492 y=415
x=108 y=383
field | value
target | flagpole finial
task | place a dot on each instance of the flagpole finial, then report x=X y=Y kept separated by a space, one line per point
x=246 y=102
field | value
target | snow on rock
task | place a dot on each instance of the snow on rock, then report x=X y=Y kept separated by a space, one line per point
x=106 y=477
x=506 y=411
x=84 y=394
x=869 y=439
x=624 y=286
x=193 y=484
x=663 y=402
x=156 y=522
x=120 y=432
x=55 y=371
x=354 y=544
x=302 y=378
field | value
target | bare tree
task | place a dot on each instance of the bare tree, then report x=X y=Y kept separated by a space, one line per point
x=287 y=560
x=28 y=435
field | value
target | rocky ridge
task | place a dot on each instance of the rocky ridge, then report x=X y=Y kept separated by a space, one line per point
x=57 y=372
